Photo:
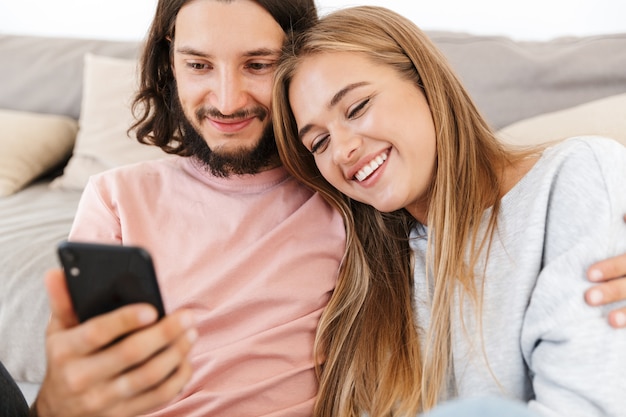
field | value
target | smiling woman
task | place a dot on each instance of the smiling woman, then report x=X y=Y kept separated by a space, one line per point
x=465 y=259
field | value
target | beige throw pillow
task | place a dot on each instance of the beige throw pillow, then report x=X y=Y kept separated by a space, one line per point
x=109 y=85
x=31 y=144
x=603 y=117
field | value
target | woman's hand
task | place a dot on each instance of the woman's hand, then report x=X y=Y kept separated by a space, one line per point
x=610 y=275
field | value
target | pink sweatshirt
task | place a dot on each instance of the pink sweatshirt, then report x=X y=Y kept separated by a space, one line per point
x=256 y=257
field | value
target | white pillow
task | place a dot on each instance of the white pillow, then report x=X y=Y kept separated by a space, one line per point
x=109 y=85
x=603 y=117
x=31 y=144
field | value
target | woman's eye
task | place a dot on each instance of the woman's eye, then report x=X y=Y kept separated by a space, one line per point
x=320 y=144
x=357 y=110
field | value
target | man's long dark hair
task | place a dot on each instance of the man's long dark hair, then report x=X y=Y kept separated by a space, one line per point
x=155 y=107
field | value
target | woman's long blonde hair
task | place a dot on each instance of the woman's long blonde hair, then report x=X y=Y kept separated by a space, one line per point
x=368 y=338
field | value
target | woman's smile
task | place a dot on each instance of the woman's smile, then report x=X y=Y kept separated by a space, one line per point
x=372 y=166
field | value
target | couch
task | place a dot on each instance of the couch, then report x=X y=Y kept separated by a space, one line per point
x=64 y=112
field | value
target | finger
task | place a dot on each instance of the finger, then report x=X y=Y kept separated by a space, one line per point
x=147 y=385
x=152 y=340
x=157 y=368
x=103 y=360
x=62 y=311
x=99 y=332
x=608 y=269
x=605 y=293
x=157 y=396
x=617 y=318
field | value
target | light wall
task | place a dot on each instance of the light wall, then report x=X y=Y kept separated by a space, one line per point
x=522 y=19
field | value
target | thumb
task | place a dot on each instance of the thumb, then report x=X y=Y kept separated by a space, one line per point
x=62 y=311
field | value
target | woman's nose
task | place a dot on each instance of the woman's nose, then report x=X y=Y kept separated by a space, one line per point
x=346 y=145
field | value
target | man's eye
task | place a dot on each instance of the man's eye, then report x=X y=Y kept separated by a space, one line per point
x=358 y=109
x=260 y=66
x=320 y=145
x=196 y=65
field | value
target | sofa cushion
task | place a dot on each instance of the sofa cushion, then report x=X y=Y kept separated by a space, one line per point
x=32 y=222
x=31 y=145
x=603 y=117
x=103 y=141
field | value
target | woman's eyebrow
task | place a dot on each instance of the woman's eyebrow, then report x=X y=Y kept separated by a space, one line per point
x=333 y=102
x=341 y=93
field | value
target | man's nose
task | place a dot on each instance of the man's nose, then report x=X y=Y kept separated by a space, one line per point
x=229 y=92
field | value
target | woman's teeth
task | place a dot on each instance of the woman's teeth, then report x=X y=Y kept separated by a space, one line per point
x=368 y=169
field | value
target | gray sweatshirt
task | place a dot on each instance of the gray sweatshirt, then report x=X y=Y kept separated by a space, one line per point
x=540 y=342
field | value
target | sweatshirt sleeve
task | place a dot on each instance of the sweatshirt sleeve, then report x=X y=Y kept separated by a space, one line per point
x=95 y=219
x=577 y=362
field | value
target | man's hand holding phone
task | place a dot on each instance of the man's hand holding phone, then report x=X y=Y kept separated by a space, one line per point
x=89 y=375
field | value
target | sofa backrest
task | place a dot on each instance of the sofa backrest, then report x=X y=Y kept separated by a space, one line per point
x=509 y=80
x=512 y=80
x=44 y=75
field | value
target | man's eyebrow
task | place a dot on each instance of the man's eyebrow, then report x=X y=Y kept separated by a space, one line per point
x=261 y=52
x=333 y=102
x=187 y=50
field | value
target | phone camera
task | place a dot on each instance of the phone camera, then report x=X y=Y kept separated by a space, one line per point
x=69 y=257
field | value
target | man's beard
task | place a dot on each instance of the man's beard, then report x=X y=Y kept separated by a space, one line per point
x=223 y=164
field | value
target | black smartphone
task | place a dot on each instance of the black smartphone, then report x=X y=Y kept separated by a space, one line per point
x=102 y=277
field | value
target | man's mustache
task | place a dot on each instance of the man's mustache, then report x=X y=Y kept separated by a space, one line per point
x=214 y=113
